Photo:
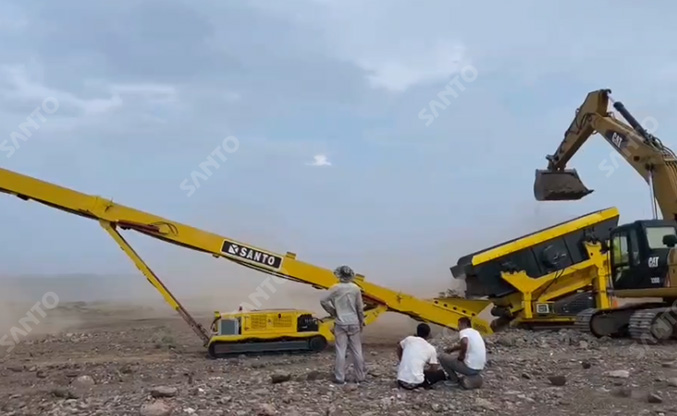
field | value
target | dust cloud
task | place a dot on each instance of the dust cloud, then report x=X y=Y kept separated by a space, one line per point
x=204 y=284
x=30 y=308
x=12 y=308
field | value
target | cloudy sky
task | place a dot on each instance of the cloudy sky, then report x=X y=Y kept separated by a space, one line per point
x=325 y=109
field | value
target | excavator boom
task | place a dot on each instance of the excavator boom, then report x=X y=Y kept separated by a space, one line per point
x=656 y=163
x=642 y=255
x=557 y=183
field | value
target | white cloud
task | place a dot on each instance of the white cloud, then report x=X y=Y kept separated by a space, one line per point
x=319 y=160
x=397 y=74
x=146 y=101
x=144 y=89
x=389 y=41
x=18 y=82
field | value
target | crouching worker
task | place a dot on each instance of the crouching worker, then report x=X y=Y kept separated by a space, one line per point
x=418 y=366
x=471 y=357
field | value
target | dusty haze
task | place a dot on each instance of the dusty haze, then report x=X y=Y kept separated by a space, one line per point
x=204 y=284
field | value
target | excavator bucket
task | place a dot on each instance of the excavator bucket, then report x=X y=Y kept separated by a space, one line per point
x=559 y=185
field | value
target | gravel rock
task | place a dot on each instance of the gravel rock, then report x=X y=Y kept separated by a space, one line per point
x=64 y=393
x=83 y=381
x=654 y=398
x=280 y=378
x=266 y=410
x=126 y=375
x=622 y=392
x=163 y=391
x=557 y=380
x=314 y=375
x=158 y=408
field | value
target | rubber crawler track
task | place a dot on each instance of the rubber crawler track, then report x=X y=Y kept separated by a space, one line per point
x=642 y=322
x=583 y=319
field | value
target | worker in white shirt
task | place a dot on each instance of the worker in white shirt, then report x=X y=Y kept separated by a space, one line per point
x=472 y=355
x=418 y=366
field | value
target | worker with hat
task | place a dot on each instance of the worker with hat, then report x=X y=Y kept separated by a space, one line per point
x=343 y=302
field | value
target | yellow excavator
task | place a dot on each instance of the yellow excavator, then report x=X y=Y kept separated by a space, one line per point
x=643 y=259
x=523 y=279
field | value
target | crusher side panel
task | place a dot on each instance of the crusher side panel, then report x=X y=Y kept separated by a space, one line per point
x=538 y=253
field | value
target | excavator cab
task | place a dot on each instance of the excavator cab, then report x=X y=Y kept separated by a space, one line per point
x=559 y=185
x=640 y=254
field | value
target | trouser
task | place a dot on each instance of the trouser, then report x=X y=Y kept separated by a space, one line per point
x=431 y=377
x=453 y=367
x=348 y=339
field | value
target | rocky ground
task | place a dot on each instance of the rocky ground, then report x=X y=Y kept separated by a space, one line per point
x=156 y=367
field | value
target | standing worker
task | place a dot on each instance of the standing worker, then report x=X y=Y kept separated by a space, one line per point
x=344 y=303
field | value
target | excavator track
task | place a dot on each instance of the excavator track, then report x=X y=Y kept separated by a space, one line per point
x=652 y=325
x=602 y=322
x=583 y=320
x=635 y=321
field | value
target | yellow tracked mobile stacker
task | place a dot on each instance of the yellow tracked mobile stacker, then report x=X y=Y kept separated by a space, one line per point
x=503 y=275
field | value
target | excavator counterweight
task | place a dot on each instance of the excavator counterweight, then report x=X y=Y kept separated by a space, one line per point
x=559 y=185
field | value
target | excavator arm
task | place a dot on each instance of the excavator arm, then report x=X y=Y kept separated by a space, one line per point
x=647 y=155
x=113 y=216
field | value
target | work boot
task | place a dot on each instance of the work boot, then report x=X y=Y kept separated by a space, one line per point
x=337 y=382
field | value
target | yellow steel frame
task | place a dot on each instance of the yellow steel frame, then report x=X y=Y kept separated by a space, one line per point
x=592 y=273
x=589 y=274
x=155 y=281
x=444 y=312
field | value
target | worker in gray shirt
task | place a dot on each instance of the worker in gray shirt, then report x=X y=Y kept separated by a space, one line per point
x=344 y=303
